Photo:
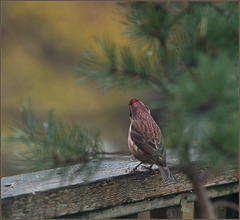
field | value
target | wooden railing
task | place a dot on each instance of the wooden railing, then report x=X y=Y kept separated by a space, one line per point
x=110 y=192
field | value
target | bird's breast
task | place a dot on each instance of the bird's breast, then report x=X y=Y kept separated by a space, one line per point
x=132 y=146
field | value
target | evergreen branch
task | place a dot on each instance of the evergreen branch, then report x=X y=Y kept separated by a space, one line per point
x=182 y=13
x=218 y=9
x=218 y=147
x=55 y=145
x=142 y=76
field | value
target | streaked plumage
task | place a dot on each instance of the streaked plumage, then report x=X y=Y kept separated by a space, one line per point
x=145 y=139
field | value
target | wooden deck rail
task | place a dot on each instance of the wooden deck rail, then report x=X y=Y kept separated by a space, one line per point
x=110 y=192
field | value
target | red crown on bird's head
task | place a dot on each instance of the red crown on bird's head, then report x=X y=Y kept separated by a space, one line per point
x=133 y=101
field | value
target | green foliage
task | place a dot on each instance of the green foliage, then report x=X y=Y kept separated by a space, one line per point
x=204 y=113
x=55 y=144
x=188 y=52
x=113 y=67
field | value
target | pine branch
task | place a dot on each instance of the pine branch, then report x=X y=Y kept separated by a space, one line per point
x=142 y=76
x=181 y=14
x=217 y=8
x=56 y=144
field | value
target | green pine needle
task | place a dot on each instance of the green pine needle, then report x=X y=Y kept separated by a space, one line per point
x=53 y=145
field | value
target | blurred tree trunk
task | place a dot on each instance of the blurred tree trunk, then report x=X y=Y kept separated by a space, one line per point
x=204 y=204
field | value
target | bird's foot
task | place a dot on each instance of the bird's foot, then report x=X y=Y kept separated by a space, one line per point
x=134 y=169
x=148 y=168
x=128 y=170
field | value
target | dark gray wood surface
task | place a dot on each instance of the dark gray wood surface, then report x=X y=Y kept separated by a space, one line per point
x=109 y=192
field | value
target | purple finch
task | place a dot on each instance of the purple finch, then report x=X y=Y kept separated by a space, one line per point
x=145 y=140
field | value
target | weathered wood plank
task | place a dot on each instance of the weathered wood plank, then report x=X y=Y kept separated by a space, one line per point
x=156 y=203
x=44 y=195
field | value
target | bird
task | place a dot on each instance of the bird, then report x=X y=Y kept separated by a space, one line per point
x=145 y=140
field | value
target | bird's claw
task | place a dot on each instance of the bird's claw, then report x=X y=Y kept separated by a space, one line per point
x=131 y=170
x=148 y=168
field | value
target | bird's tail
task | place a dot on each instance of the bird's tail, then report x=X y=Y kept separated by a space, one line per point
x=166 y=174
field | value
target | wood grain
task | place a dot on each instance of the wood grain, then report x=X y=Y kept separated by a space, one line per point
x=52 y=193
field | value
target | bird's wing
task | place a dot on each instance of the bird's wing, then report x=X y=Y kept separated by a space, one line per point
x=152 y=145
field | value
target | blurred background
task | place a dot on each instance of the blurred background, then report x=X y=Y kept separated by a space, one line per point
x=41 y=44
x=86 y=60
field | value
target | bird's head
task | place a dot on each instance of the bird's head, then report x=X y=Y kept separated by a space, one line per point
x=137 y=108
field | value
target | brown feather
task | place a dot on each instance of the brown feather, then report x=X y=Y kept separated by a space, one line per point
x=145 y=139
